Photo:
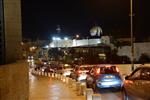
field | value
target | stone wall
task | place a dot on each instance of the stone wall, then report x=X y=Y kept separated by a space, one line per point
x=13 y=30
x=139 y=48
x=14 y=81
x=125 y=69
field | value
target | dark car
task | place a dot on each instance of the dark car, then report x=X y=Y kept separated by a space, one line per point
x=104 y=76
x=137 y=85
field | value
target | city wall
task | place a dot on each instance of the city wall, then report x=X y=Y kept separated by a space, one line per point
x=14 y=81
x=125 y=69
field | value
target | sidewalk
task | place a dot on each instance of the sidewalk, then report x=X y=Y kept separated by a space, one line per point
x=44 y=88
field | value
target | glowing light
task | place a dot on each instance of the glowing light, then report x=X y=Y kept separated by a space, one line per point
x=98 y=71
x=110 y=83
x=128 y=82
x=66 y=65
x=46 y=46
x=65 y=38
x=54 y=38
x=64 y=80
x=117 y=69
x=52 y=45
x=77 y=36
x=79 y=71
x=58 y=38
x=82 y=77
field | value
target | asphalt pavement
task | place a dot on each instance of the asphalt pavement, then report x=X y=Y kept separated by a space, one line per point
x=46 y=88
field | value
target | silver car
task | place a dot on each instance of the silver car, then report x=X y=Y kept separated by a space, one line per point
x=80 y=72
x=137 y=85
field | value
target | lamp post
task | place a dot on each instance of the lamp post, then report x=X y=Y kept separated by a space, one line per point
x=131 y=31
x=77 y=36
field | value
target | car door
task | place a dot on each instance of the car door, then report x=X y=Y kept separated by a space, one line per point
x=131 y=84
x=145 y=83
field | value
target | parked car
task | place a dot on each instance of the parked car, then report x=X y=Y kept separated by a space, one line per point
x=104 y=76
x=67 y=71
x=137 y=85
x=80 y=72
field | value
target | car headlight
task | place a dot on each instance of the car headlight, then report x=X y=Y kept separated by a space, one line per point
x=44 y=63
x=43 y=70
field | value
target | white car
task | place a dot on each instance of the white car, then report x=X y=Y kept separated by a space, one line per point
x=67 y=71
x=82 y=71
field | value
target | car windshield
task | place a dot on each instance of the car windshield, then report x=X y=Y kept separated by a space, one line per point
x=108 y=70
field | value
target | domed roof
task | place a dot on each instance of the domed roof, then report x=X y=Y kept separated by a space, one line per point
x=96 y=31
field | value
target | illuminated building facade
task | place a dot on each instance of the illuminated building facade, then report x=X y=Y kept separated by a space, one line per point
x=79 y=42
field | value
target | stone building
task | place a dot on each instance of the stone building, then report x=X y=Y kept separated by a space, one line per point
x=139 y=49
x=10 y=30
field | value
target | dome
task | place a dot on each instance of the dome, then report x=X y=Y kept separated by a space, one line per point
x=96 y=31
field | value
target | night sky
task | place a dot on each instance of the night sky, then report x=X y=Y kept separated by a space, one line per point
x=40 y=18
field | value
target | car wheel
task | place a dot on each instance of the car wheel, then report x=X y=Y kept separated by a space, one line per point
x=87 y=85
x=124 y=94
x=95 y=88
x=118 y=88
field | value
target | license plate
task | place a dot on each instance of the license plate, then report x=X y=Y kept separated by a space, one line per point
x=109 y=77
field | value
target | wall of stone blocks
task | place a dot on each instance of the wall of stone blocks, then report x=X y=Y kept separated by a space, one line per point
x=14 y=81
x=13 y=30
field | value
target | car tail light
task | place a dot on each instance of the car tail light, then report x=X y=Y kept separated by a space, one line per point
x=98 y=71
x=128 y=82
x=117 y=69
x=79 y=72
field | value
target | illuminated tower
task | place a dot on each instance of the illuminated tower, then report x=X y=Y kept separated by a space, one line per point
x=10 y=30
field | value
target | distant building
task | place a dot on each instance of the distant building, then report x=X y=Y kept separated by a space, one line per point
x=79 y=42
x=96 y=31
x=139 y=49
x=10 y=30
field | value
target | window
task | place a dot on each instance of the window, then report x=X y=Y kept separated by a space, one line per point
x=136 y=74
x=145 y=74
x=108 y=70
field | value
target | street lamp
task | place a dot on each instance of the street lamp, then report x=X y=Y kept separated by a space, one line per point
x=131 y=31
x=77 y=36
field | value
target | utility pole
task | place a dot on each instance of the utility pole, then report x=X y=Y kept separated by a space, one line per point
x=131 y=31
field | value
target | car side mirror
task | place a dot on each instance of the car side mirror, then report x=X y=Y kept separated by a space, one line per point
x=127 y=77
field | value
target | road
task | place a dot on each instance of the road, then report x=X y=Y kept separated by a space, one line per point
x=44 y=88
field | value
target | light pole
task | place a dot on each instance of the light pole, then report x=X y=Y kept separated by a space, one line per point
x=131 y=31
x=77 y=36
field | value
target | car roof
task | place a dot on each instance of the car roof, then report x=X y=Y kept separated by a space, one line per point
x=86 y=66
x=103 y=65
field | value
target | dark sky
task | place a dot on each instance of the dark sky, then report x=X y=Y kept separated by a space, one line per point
x=40 y=18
